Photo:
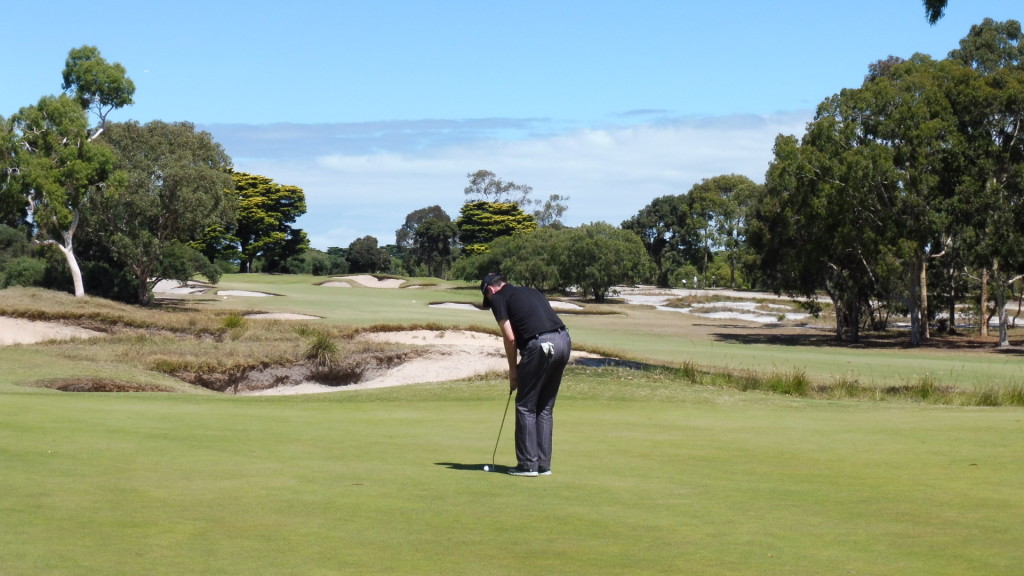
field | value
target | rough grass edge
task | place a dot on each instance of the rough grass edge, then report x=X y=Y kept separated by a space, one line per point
x=797 y=383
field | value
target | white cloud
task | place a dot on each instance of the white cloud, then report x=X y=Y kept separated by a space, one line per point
x=355 y=188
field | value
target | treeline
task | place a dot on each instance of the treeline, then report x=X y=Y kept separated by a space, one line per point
x=119 y=206
x=907 y=193
x=904 y=197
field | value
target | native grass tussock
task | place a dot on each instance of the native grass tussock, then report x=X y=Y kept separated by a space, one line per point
x=651 y=381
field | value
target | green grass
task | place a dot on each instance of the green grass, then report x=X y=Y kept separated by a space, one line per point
x=686 y=470
x=675 y=481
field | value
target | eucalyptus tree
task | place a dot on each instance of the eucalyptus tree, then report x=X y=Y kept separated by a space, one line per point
x=97 y=86
x=822 y=222
x=718 y=213
x=408 y=239
x=50 y=162
x=54 y=170
x=13 y=208
x=908 y=110
x=435 y=245
x=990 y=98
x=405 y=236
x=173 y=184
x=663 y=229
x=934 y=9
x=549 y=212
x=485 y=186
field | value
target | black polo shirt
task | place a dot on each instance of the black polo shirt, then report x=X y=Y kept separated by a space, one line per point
x=527 y=311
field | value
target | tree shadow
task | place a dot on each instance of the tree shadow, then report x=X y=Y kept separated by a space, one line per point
x=777 y=339
x=890 y=340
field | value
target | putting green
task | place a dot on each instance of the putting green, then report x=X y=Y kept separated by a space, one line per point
x=390 y=482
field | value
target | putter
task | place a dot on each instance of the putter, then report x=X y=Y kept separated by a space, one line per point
x=507 y=402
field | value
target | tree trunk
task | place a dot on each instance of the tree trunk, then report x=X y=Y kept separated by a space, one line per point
x=984 y=315
x=837 y=306
x=853 y=313
x=1004 y=337
x=951 y=330
x=66 y=246
x=925 y=329
x=1000 y=299
x=914 y=301
x=76 y=271
x=142 y=290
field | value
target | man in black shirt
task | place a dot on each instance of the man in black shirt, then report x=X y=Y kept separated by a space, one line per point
x=530 y=328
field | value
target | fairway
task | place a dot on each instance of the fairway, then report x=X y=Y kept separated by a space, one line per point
x=652 y=474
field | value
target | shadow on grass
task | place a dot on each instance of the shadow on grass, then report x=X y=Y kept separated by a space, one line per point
x=892 y=340
x=612 y=363
x=473 y=467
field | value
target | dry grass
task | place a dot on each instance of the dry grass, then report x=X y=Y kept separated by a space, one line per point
x=215 y=349
x=109 y=316
x=222 y=350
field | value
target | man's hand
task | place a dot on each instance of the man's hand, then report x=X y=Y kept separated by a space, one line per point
x=513 y=382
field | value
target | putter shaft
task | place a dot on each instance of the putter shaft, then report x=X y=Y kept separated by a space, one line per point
x=495 y=452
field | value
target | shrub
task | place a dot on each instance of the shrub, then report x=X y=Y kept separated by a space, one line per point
x=23 y=271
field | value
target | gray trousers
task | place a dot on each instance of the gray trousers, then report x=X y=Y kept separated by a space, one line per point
x=540 y=376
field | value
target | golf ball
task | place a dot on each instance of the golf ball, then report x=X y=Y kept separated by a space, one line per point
x=487 y=468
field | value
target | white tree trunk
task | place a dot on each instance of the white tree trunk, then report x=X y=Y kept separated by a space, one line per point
x=67 y=248
x=925 y=330
x=914 y=301
x=76 y=271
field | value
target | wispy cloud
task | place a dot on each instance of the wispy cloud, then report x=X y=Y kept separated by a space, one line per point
x=363 y=179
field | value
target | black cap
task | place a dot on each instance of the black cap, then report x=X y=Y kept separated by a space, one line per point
x=484 y=284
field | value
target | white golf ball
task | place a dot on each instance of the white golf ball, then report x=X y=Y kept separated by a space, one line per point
x=487 y=468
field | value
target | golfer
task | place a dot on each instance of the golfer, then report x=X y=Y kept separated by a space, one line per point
x=530 y=328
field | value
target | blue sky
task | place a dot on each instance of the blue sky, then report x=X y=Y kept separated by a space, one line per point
x=379 y=108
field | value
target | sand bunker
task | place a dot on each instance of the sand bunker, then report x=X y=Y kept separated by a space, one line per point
x=556 y=304
x=281 y=316
x=762 y=313
x=451 y=355
x=455 y=306
x=17 y=331
x=245 y=293
x=174 y=287
x=367 y=281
